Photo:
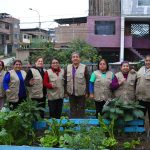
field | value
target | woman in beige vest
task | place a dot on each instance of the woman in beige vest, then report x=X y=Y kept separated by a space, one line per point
x=2 y=74
x=14 y=86
x=54 y=82
x=126 y=78
x=143 y=86
x=34 y=82
x=100 y=85
x=76 y=86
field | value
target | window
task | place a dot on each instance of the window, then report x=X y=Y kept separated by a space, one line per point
x=25 y=36
x=7 y=26
x=7 y=37
x=17 y=36
x=140 y=30
x=143 y=2
x=105 y=27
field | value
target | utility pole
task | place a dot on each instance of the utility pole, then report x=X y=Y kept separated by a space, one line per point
x=38 y=21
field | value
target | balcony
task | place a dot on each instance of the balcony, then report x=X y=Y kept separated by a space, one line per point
x=137 y=43
x=4 y=31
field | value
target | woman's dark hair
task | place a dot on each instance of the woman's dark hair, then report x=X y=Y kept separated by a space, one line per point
x=124 y=62
x=54 y=59
x=107 y=66
x=37 y=58
x=147 y=56
x=2 y=64
x=17 y=60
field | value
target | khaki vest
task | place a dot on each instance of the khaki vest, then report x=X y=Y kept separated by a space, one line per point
x=126 y=91
x=79 y=80
x=14 y=83
x=36 y=90
x=102 y=91
x=143 y=85
x=58 y=81
x=2 y=74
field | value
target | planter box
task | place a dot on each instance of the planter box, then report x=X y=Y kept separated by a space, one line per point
x=6 y=147
x=130 y=126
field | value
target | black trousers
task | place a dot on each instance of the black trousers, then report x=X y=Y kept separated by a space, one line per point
x=41 y=103
x=14 y=105
x=55 y=108
x=146 y=108
x=77 y=106
x=99 y=106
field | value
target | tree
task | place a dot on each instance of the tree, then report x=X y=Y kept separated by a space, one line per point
x=87 y=52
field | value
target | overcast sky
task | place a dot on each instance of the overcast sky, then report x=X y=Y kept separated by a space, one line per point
x=48 y=9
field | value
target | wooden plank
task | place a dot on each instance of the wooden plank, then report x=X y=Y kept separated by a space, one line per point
x=134 y=129
x=132 y=126
x=39 y=125
x=8 y=147
x=135 y=122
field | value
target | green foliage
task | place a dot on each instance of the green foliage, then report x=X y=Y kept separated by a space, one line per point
x=131 y=145
x=110 y=142
x=87 y=52
x=49 y=141
x=52 y=136
x=38 y=43
x=107 y=128
x=5 y=138
x=29 y=111
x=84 y=140
x=119 y=110
x=90 y=104
x=17 y=125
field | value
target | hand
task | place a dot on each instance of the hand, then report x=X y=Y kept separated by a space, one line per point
x=91 y=95
x=32 y=81
x=132 y=71
x=122 y=81
x=54 y=85
x=8 y=90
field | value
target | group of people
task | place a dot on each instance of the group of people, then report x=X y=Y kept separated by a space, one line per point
x=127 y=84
x=74 y=82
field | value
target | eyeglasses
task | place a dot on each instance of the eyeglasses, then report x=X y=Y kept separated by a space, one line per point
x=55 y=62
x=18 y=64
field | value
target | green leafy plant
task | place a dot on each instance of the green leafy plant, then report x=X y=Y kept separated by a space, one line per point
x=29 y=112
x=49 y=141
x=107 y=128
x=131 y=145
x=119 y=110
x=110 y=141
x=52 y=136
x=11 y=123
x=17 y=125
x=84 y=140
x=5 y=138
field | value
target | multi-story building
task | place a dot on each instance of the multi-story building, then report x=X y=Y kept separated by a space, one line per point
x=36 y=33
x=135 y=28
x=9 y=33
x=29 y=36
x=70 y=29
x=117 y=28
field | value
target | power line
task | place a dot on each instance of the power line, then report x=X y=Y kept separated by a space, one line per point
x=35 y=22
